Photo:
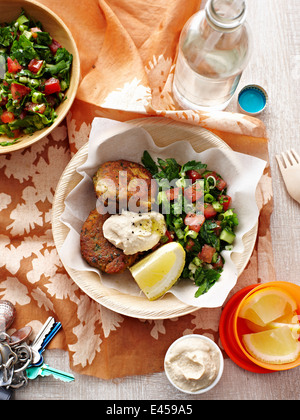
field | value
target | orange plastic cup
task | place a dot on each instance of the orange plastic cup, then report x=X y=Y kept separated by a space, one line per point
x=232 y=328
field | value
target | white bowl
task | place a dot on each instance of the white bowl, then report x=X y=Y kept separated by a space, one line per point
x=221 y=363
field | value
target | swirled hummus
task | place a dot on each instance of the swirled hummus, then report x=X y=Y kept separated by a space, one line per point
x=134 y=232
x=192 y=363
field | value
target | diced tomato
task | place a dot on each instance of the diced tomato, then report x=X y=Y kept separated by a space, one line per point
x=170 y=236
x=34 y=31
x=225 y=200
x=3 y=101
x=19 y=91
x=189 y=245
x=35 y=65
x=194 y=221
x=51 y=100
x=218 y=228
x=7 y=117
x=194 y=192
x=13 y=66
x=54 y=46
x=38 y=108
x=193 y=175
x=209 y=173
x=209 y=211
x=219 y=263
x=17 y=133
x=52 y=85
x=172 y=194
x=195 y=228
x=220 y=183
x=206 y=253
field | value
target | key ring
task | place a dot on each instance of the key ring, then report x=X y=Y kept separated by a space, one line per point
x=11 y=361
x=22 y=368
x=23 y=349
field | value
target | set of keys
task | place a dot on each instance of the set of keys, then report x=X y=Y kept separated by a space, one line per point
x=20 y=362
x=37 y=366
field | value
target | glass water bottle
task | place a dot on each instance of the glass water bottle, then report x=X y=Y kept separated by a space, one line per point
x=214 y=49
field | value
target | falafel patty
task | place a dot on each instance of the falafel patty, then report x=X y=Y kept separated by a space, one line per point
x=98 y=251
x=121 y=180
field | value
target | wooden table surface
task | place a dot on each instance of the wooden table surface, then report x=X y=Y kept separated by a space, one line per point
x=275 y=65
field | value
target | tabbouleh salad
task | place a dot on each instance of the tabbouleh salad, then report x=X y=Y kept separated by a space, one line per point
x=200 y=219
x=34 y=75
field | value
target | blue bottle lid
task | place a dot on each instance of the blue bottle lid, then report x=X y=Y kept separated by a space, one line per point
x=252 y=99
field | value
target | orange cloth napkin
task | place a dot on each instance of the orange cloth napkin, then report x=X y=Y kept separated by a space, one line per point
x=127 y=51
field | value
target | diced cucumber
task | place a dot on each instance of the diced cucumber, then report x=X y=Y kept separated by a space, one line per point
x=179 y=232
x=21 y=20
x=217 y=206
x=227 y=236
x=178 y=223
x=28 y=34
x=37 y=97
x=192 y=267
x=23 y=79
x=215 y=257
x=197 y=261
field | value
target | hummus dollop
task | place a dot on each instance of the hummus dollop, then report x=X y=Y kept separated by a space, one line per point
x=192 y=364
x=134 y=232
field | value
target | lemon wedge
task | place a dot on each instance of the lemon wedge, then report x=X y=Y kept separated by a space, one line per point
x=291 y=321
x=276 y=346
x=158 y=272
x=267 y=305
x=290 y=318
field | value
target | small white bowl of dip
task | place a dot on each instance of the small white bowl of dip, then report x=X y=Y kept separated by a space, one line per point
x=194 y=364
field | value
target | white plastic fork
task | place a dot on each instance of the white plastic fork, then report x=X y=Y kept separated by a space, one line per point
x=289 y=165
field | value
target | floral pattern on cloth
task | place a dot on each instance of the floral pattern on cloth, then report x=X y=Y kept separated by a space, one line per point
x=127 y=52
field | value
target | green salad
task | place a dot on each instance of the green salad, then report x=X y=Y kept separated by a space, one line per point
x=198 y=215
x=34 y=76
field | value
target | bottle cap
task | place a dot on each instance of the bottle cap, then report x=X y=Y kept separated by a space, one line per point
x=252 y=99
